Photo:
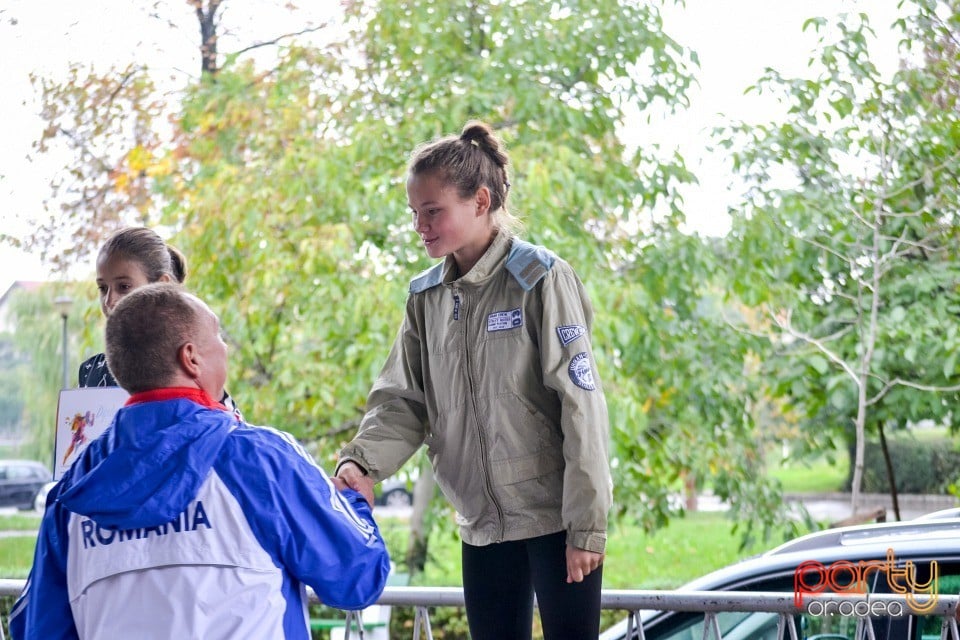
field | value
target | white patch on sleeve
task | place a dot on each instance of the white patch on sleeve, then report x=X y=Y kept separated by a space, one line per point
x=504 y=320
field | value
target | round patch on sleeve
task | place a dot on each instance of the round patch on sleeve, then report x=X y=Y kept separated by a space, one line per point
x=581 y=373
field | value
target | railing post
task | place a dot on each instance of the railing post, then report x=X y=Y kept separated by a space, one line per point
x=783 y=624
x=949 y=624
x=421 y=615
x=348 y=625
x=633 y=622
x=864 y=629
x=710 y=624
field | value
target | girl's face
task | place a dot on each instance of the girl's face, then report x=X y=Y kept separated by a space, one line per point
x=116 y=277
x=448 y=224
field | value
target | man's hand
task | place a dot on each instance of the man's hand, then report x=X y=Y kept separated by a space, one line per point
x=351 y=475
x=581 y=562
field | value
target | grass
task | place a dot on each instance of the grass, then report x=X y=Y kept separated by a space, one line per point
x=26 y=521
x=827 y=474
x=685 y=549
x=16 y=555
x=816 y=476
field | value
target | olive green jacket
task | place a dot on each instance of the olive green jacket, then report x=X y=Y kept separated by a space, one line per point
x=494 y=372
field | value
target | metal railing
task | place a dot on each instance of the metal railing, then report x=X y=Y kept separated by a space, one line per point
x=634 y=602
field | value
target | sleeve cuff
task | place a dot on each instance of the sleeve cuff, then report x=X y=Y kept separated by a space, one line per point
x=344 y=461
x=594 y=541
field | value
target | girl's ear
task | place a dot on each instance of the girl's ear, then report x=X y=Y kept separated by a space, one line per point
x=482 y=199
x=165 y=278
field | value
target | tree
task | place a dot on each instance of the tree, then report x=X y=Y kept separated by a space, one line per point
x=854 y=259
x=108 y=125
x=111 y=127
x=38 y=361
x=284 y=187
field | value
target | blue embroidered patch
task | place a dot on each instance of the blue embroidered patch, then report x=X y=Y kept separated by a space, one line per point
x=503 y=320
x=581 y=373
x=570 y=332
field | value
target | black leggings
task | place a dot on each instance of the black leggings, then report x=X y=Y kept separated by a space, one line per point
x=498 y=585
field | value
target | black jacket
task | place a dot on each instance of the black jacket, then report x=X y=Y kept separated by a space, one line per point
x=94 y=373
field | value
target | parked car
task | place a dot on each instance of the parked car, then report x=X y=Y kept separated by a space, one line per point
x=394 y=492
x=21 y=481
x=931 y=543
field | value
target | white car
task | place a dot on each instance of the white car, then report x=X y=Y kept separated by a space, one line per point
x=931 y=543
x=40 y=500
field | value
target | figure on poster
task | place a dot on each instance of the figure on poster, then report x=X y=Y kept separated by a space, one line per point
x=78 y=427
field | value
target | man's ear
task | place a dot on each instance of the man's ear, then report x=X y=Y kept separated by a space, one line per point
x=188 y=360
x=482 y=200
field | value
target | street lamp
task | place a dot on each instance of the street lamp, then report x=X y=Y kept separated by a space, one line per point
x=63 y=304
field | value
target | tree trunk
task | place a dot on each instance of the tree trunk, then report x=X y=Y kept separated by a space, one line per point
x=208 y=35
x=871 y=289
x=891 y=478
x=417 y=545
x=857 y=481
x=689 y=490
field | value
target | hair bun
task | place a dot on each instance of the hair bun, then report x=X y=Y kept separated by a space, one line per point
x=477 y=133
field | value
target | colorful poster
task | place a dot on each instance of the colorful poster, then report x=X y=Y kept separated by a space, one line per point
x=82 y=415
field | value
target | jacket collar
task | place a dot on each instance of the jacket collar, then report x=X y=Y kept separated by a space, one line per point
x=486 y=266
x=170 y=393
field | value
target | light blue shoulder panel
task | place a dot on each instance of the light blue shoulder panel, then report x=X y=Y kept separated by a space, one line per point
x=529 y=263
x=427 y=279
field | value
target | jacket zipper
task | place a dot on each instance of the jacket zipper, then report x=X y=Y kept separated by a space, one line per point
x=460 y=311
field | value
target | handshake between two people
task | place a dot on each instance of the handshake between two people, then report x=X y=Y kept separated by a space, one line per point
x=350 y=475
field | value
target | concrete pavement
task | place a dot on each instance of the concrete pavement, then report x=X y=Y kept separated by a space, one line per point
x=834 y=507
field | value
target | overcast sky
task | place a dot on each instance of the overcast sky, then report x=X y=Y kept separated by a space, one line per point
x=735 y=39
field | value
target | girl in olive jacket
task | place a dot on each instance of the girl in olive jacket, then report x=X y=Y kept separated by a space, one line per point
x=493 y=371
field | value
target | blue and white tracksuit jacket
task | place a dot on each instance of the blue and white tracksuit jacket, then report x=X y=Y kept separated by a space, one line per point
x=181 y=522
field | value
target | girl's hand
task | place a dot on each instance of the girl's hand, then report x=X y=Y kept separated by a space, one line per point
x=351 y=475
x=581 y=562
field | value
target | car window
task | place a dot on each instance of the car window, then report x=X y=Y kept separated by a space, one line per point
x=733 y=625
x=947 y=582
x=20 y=472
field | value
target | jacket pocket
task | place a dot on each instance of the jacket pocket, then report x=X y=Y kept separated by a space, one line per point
x=526 y=466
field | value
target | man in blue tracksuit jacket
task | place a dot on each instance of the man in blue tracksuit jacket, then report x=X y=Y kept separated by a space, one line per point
x=180 y=521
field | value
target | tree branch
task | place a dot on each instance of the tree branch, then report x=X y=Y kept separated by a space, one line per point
x=906 y=383
x=267 y=43
x=782 y=320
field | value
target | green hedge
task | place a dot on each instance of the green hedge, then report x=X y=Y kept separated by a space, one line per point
x=925 y=467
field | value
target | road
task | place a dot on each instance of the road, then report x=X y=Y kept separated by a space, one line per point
x=834 y=507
